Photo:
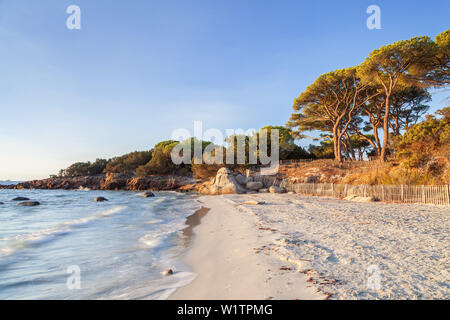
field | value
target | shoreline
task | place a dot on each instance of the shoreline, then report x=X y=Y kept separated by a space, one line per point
x=300 y=247
x=224 y=258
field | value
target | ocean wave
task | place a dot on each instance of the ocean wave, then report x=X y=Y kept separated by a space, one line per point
x=40 y=237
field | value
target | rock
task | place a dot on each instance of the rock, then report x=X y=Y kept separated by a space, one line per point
x=224 y=171
x=275 y=189
x=265 y=190
x=361 y=199
x=255 y=185
x=29 y=204
x=167 y=272
x=20 y=199
x=312 y=179
x=241 y=179
x=1 y=203
x=252 y=192
x=254 y=203
x=148 y=194
x=223 y=183
x=115 y=181
x=100 y=199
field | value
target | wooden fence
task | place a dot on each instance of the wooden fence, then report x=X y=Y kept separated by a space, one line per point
x=437 y=195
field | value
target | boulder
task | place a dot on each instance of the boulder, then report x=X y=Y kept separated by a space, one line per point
x=241 y=179
x=254 y=203
x=29 y=204
x=312 y=179
x=100 y=199
x=255 y=185
x=1 y=203
x=115 y=181
x=361 y=199
x=223 y=183
x=265 y=190
x=275 y=189
x=252 y=192
x=20 y=199
x=167 y=272
x=148 y=194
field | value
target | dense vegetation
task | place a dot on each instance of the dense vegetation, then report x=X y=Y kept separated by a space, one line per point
x=386 y=94
x=371 y=110
x=158 y=160
x=426 y=141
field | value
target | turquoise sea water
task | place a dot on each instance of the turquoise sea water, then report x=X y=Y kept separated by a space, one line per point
x=120 y=247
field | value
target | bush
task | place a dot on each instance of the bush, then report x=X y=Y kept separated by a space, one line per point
x=128 y=162
x=84 y=168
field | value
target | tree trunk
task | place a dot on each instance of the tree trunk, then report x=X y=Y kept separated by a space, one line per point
x=397 y=127
x=383 y=156
x=377 y=140
x=350 y=147
x=337 y=144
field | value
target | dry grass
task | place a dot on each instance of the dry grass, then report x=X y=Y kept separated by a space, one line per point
x=436 y=171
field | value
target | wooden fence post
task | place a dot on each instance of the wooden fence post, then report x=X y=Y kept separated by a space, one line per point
x=448 y=194
x=423 y=195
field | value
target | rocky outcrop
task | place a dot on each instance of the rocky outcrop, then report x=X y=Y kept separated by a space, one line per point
x=115 y=181
x=100 y=199
x=223 y=183
x=29 y=204
x=255 y=185
x=20 y=199
x=167 y=272
x=111 y=181
x=275 y=189
x=148 y=194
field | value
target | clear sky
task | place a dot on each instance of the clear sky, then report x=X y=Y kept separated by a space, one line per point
x=137 y=70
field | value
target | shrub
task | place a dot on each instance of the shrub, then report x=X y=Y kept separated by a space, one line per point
x=128 y=162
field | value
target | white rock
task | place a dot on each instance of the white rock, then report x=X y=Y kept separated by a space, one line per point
x=275 y=189
x=254 y=203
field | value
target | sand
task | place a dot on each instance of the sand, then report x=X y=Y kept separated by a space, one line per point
x=298 y=247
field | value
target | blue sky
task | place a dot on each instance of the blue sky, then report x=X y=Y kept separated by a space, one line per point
x=137 y=70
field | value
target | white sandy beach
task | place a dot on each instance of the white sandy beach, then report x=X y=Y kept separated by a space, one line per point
x=297 y=247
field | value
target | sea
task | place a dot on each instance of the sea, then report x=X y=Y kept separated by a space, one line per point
x=71 y=247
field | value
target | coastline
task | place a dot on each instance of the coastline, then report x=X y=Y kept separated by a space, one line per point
x=224 y=258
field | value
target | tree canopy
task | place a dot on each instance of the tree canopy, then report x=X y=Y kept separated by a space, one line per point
x=388 y=91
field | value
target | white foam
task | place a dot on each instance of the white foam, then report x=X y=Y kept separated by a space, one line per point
x=40 y=237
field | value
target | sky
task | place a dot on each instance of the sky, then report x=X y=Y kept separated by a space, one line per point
x=138 y=70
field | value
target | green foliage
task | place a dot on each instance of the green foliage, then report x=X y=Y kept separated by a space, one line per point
x=399 y=63
x=288 y=149
x=161 y=161
x=166 y=144
x=128 y=162
x=425 y=139
x=286 y=140
x=323 y=151
x=388 y=91
x=435 y=71
x=84 y=168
